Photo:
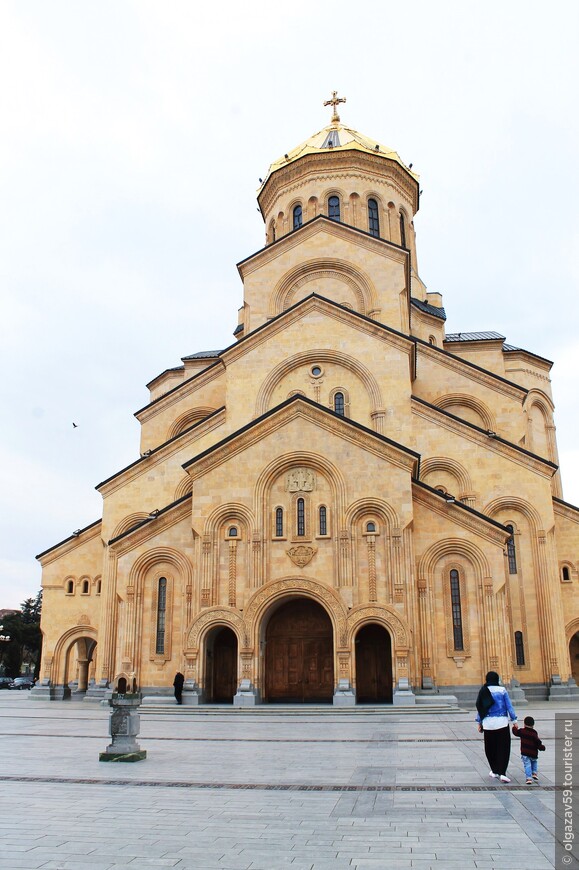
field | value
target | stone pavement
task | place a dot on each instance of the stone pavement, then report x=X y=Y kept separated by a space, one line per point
x=384 y=790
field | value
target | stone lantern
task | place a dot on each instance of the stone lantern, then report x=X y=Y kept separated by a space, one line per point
x=124 y=722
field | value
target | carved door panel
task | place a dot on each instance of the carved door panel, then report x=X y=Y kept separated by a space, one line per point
x=373 y=665
x=299 y=663
x=225 y=666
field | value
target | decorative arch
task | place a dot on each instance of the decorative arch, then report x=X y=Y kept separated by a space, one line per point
x=309 y=357
x=128 y=522
x=358 y=282
x=383 y=615
x=229 y=511
x=289 y=461
x=149 y=559
x=64 y=644
x=188 y=419
x=511 y=503
x=290 y=587
x=210 y=618
x=375 y=506
x=571 y=629
x=450 y=466
x=453 y=548
x=453 y=399
x=540 y=398
x=184 y=487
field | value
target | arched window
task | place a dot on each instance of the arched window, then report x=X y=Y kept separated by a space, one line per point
x=161 y=615
x=402 y=230
x=85 y=587
x=373 y=220
x=272 y=231
x=232 y=531
x=511 y=552
x=301 y=517
x=70 y=587
x=565 y=574
x=334 y=208
x=432 y=340
x=456 y=610
x=323 y=520
x=279 y=522
x=99 y=587
x=339 y=404
x=519 y=648
x=371 y=528
x=298 y=217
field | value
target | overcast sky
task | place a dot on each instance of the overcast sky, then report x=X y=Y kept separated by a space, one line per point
x=132 y=138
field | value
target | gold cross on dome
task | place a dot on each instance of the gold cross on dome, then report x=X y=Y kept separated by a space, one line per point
x=334 y=103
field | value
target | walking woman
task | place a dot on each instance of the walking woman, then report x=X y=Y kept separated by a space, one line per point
x=494 y=709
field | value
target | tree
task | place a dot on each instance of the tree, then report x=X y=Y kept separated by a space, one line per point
x=23 y=628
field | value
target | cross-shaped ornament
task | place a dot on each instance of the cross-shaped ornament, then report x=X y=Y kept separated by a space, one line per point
x=334 y=103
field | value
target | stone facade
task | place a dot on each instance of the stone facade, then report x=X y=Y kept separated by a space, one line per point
x=343 y=451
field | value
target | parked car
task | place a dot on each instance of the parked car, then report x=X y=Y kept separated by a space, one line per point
x=6 y=683
x=22 y=683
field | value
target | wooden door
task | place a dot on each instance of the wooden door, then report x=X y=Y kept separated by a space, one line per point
x=299 y=661
x=373 y=665
x=224 y=666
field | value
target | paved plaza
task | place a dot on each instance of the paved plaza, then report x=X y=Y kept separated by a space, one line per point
x=267 y=789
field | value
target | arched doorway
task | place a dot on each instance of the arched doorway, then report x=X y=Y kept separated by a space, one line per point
x=574 y=656
x=373 y=665
x=221 y=665
x=299 y=658
x=79 y=660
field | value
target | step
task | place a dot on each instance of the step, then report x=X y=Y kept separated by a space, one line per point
x=420 y=709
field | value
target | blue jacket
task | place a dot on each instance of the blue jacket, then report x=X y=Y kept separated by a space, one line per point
x=502 y=705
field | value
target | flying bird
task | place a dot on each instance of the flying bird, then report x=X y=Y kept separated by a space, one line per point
x=74 y=426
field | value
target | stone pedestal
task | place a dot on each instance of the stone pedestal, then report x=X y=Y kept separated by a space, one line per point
x=403 y=694
x=517 y=695
x=124 y=726
x=246 y=695
x=344 y=696
x=191 y=694
x=97 y=691
x=560 y=691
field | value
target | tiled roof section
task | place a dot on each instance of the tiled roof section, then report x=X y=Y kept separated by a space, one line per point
x=510 y=347
x=239 y=328
x=203 y=354
x=474 y=336
x=429 y=309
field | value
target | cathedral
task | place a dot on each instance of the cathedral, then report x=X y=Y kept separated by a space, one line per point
x=345 y=505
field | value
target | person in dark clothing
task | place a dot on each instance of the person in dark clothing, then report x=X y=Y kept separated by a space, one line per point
x=178 y=685
x=530 y=747
x=494 y=709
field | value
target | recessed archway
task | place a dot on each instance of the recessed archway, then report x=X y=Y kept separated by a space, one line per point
x=373 y=647
x=221 y=665
x=299 y=655
x=574 y=656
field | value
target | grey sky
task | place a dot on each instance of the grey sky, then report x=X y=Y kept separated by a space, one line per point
x=132 y=138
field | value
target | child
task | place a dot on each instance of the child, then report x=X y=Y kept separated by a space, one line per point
x=530 y=747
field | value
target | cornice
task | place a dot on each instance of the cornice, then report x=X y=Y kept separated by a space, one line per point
x=150 y=528
x=174 y=395
x=455 y=512
x=471 y=371
x=476 y=435
x=348 y=161
x=321 y=223
x=564 y=509
x=83 y=536
x=298 y=407
x=301 y=309
x=146 y=464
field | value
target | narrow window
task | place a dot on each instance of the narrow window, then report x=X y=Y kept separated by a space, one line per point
x=279 y=522
x=402 y=230
x=298 y=217
x=511 y=552
x=233 y=531
x=301 y=516
x=370 y=527
x=456 y=610
x=323 y=521
x=161 y=615
x=566 y=575
x=519 y=648
x=70 y=587
x=99 y=587
x=334 y=208
x=339 y=404
x=85 y=587
x=373 y=221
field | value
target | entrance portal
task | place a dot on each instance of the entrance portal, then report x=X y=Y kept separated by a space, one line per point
x=373 y=665
x=299 y=660
x=574 y=656
x=221 y=666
